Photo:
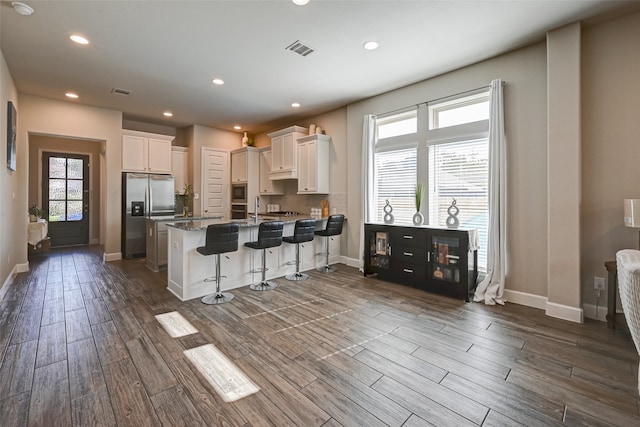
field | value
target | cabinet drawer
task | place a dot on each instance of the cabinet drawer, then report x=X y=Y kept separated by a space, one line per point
x=410 y=273
x=410 y=254
x=403 y=237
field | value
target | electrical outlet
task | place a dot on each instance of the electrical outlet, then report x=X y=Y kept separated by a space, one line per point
x=598 y=283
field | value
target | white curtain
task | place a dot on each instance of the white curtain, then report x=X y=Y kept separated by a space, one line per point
x=367 y=190
x=491 y=289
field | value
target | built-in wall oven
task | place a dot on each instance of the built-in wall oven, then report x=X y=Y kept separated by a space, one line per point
x=239 y=193
x=239 y=211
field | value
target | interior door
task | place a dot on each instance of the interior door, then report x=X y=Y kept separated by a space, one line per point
x=65 y=194
x=215 y=182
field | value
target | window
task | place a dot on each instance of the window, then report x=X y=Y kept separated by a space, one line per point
x=450 y=157
x=396 y=165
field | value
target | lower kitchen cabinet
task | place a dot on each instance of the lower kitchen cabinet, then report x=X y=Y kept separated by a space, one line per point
x=433 y=259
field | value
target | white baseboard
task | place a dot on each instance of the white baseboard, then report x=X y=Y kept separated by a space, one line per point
x=551 y=309
x=7 y=283
x=565 y=312
x=590 y=312
x=116 y=256
x=22 y=268
x=94 y=241
x=351 y=262
x=523 y=298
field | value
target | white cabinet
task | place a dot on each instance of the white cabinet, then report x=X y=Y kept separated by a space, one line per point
x=180 y=167
x=313 y=164
x=284 y=152
x=146 y=152
x=245 y=170
x=239 y=166
x=267 y=186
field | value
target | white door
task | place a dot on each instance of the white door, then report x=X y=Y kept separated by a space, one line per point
x=215 y=182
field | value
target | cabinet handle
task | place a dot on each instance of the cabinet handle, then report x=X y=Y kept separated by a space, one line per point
x=305 y=188
x=428 y=256
x=408 y=254
x=406 y=270
x=280 y=167
x=407 y=237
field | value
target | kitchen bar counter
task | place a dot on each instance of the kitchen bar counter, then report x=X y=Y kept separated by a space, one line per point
x=188 y=269
x=156 y=236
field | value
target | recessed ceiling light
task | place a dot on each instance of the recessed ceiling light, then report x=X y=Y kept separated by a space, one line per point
x=71 y=95
x=300 y=2
x=167 y=114
x=217 y=81
x=296 y=105
x=76 y=38
x=371 y=45
x=237 y=127
x=22 y=8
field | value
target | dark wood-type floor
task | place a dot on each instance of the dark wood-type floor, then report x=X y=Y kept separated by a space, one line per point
x=80 y=346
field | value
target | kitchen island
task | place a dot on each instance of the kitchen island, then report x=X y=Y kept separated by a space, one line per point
x=188 y=269
x=157 y=238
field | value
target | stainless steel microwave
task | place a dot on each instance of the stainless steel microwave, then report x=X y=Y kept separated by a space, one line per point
x=239 y=193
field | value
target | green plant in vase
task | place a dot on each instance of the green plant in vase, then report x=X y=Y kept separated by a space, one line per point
x=418 y=218
x=185 y=199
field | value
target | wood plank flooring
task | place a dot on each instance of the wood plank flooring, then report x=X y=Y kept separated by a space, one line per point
x=79 y=345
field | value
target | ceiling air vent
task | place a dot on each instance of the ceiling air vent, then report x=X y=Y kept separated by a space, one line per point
x=300 y=48
x=121 y=91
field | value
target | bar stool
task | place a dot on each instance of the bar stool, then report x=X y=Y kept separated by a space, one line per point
x=269 y=236
x=333 y=228
x=303 y=232
x=220 y=238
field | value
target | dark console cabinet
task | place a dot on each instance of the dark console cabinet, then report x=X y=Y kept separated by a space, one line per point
x=432 y=259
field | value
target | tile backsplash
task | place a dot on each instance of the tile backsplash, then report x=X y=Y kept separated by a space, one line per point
x=303 y=203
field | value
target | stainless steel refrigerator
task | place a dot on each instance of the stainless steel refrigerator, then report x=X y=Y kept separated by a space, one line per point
x=143 y=196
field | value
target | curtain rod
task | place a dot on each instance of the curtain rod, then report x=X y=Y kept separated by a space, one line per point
x=437 y=99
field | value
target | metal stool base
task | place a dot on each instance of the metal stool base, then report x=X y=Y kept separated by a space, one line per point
x=218 y=298
x=326 y=269
x=297 y=276
x=263 y=286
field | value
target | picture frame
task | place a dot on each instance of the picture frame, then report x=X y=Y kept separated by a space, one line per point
x=12 y=121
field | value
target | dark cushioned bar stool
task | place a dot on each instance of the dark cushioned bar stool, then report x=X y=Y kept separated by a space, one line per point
x=269 y=236
x=303 y=232
x=220 y=238
x=333 y=228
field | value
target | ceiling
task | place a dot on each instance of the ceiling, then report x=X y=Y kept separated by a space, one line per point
x=167 y=52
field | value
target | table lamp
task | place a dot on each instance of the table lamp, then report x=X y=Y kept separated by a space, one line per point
x=632 y=214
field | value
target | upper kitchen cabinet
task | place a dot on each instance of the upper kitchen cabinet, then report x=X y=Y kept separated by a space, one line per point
x=313 y=164
x=244 y=163
x=267 y=186
x=284 y=152
x=146 y=152
x=180 y=167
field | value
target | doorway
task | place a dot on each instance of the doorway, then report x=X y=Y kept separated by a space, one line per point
x=65 y=197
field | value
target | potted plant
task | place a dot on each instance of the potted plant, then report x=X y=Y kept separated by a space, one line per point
x=35 y=213
x=418 y=218
x=185 y=199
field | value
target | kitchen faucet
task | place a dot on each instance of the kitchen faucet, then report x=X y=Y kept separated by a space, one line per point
x=255 y=212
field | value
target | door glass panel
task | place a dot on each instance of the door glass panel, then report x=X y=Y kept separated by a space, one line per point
x=446 y=254
x=74 y=190
x=56 y=211
x=74 y=169
x=74 y=211
x=56 y=189
x=57 y=166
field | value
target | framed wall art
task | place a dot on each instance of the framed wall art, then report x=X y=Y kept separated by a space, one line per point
x=12 y=121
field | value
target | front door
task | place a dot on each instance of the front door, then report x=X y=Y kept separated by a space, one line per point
x=65 y=194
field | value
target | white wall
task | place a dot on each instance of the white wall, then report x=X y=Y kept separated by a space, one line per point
x=524 y=71
x=70 y=120
x=610 y=144
x=13 y=214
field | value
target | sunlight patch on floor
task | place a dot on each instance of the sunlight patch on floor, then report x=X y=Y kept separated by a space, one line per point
x=228 y=381
x=175 y=325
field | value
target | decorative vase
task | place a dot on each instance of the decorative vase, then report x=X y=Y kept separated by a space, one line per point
x=185 y=211
x=452 y=219
x=245 y=140
x=418 y=218
x=388 y=216
x=312 y=129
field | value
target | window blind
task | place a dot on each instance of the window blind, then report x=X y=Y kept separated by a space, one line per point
x=395 y=179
